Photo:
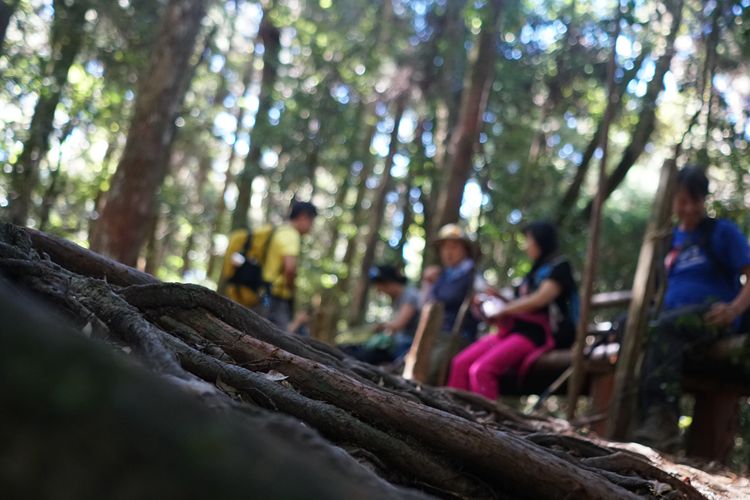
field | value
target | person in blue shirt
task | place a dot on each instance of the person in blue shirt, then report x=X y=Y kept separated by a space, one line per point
x=704 y=299
x=453 y=289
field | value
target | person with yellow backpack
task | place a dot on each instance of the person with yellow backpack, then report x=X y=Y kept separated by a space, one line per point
x=260 y=265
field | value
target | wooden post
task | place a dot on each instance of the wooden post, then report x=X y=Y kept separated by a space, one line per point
x=643 y=291
x=417 y=361
x=715 y=423
x=576 y=379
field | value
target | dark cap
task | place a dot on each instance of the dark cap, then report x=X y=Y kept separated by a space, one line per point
x=386 y=274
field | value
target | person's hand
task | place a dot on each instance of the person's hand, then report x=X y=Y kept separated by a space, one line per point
x=721 y=314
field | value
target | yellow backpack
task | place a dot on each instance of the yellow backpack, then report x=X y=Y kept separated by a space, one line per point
x=243 y=265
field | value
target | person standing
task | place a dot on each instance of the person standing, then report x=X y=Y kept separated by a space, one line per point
x=273 y=253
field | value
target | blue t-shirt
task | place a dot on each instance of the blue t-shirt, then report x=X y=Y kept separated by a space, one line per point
x=695 y=277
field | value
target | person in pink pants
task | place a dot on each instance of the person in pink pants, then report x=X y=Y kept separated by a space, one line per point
x=542 y=316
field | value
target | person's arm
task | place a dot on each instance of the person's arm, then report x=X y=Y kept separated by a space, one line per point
x=723 y=314
x=405 y=313
x=548 y=291
x=731 y=246
x=290 y=270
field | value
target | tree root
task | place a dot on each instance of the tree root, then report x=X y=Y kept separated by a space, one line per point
x=446 y=443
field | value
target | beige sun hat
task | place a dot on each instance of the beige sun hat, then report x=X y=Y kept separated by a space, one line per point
x=456 y=233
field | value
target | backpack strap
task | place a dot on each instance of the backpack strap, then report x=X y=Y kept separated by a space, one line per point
x=248 y=243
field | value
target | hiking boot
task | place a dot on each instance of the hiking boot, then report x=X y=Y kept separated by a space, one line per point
x=659 y=430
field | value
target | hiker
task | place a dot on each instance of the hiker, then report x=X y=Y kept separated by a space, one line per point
x=453 y=288
x=542 y=316
x=393 y=338
x=704 y=299
x=260 y=266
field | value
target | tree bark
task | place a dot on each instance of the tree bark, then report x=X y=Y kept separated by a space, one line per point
x=269 y=35
x=358 y=306
x=474 y=102
x=66 y=38
x=122 y=229
x=647 y=118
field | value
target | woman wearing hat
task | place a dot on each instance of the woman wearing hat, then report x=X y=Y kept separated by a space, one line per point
x=395 y=336
x=452 y=288
x=543 y=315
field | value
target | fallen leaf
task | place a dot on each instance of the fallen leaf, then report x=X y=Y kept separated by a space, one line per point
x=275 y=376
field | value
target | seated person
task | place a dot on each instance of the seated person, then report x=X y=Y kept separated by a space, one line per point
x=394 y=337
x=452 y=288
x=542 y=317
x=704 y=300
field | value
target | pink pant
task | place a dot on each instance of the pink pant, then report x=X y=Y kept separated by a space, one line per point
x=478 y=367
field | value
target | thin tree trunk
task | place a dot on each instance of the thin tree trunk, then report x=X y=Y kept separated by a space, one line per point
x=7 y=9
x=269 y=35
x=406 y=223
x=221 y=204
x=358 y=210
x=377 y=212
x=592 y=250
x=145 y=160
x=109 y=154
x=464 y=139
x=416 y=166
x=647 y=118
x=66 y=39
x=198 y=201
x=357 y=150
x=571 y=194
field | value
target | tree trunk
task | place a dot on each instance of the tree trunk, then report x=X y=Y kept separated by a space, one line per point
x=7 y=9
x=358 y=149
x=647 y=117
x=443 y=443
x=269 y=36
x=358 y=210
x=571 y=194
x=221 y=204
x=592 y=249
x=358 y=306
x=416 y=167
x=66 y=38
x=474 y=102
x=199 y=203
x=121 y=231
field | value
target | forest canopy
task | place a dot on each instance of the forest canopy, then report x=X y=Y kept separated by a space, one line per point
x=366 y=109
